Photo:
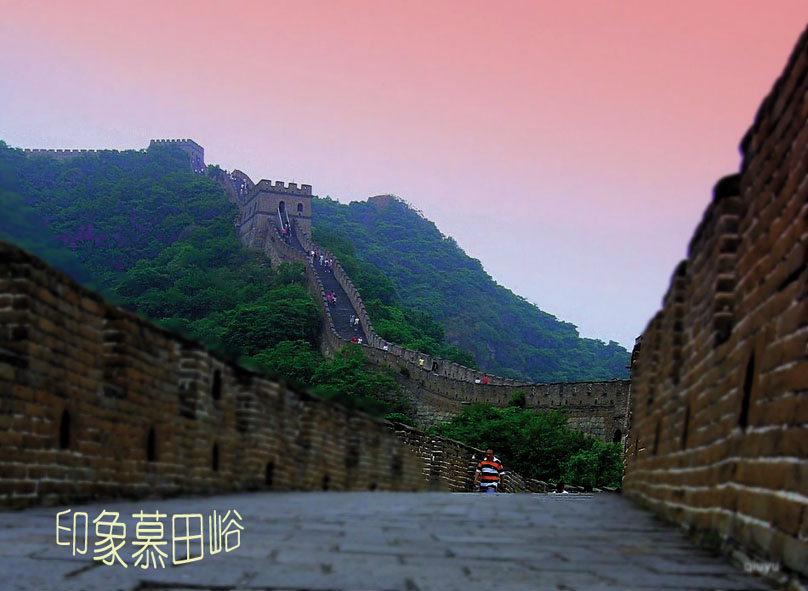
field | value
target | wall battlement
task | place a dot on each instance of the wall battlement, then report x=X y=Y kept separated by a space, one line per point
x=195 y=152
x=280 y=187
x=719 y=409
x=444 y=388
x=64 y=154
x=98 y=403
x=187 y=142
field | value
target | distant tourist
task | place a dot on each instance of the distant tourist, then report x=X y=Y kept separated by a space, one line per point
x=490 y=474
x=477 y=380
x=354 y=339
x=485 y=379
x=421 y=362
x=360 y=340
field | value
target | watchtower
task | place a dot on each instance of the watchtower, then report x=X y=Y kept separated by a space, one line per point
x=195 y=152
x=274 y=203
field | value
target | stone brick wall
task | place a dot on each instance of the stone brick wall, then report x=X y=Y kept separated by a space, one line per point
x=95 y=402
x=258 y=204
x=59 y=154
x=196 y=153
x=719 y=380
x=442 y=387
x=450 y=465
x=599 y=409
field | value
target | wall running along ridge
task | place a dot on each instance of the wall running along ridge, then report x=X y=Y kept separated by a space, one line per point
x=96 y=402
x=450 y=465
x=196 y=153
x=442 y=388
x=719 y=379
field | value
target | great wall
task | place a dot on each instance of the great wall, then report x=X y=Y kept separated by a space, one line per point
x=440 y=388
x=98 y=403
x=718 y=440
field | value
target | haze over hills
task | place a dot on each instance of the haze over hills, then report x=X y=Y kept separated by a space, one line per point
x=506 y=334
x=141 y=226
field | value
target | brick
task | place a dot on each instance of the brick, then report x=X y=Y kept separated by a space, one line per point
x=763 y=474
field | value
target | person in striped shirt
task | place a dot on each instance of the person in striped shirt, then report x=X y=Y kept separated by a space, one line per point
x=490 y=475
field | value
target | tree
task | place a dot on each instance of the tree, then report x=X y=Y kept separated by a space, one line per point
x=537 y=444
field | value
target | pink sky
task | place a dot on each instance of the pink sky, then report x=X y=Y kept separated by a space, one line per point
x=571 y=147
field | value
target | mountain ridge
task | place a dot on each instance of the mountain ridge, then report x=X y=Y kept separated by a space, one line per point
x=403 y=244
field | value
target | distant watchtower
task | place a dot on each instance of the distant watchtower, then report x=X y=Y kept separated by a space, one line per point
x=195 y=152
x=276 y=204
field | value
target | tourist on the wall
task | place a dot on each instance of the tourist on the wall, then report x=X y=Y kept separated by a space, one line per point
x=490 y=474
x=485 y=379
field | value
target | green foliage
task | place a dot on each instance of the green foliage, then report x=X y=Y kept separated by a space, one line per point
x=398 y=417
x=281 y=314
x=392 y=320
x=600 y=465
x=296 y=361
x=537 y=445
x=157 y=239
x=518 y=399
x=345 y=380
x=402 y=263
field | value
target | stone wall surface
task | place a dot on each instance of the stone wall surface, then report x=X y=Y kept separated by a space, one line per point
x=96 y=402
x=450 y=465
x=719 y=380
x=196 y=153
x=442 y=387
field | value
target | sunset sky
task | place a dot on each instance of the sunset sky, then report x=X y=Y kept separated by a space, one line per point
x=570 y=146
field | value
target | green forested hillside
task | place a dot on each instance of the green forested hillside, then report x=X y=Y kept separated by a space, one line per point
x=384 y=240
x=157 y=239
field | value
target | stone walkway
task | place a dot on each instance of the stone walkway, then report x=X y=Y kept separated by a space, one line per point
x=384 y=541
x=342 y=312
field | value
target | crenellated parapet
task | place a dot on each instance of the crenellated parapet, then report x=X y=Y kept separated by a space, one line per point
x=195 y=152
x=123 y=408
x=444 y=387
x=281 y=187
x=265 y=203
x=59 y=154
x=719 y=380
